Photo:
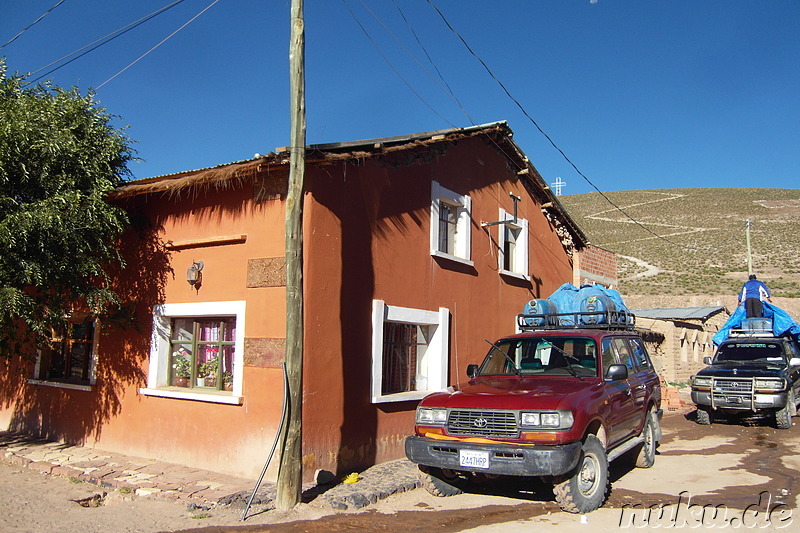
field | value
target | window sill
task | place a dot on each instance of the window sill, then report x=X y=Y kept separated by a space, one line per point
x=455 y=259
x=178 y=394
x=514 y=275
x=60 y=384
x=402 y=396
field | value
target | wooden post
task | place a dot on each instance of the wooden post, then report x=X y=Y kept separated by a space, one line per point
x=290 y=471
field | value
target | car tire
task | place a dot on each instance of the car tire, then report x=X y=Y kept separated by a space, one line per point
x=704 y=417
x=646 y=456
x=441 y=482
x=783 y=417
x=587 y=488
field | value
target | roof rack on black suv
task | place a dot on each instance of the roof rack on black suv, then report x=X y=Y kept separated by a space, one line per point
x=608 y=319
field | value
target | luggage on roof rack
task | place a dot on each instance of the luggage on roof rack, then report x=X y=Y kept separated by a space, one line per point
x=605 y=319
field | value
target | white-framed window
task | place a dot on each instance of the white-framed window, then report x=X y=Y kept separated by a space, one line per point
x=70 y=359
x=409 y=352
x=512 y=240
x=196 y=352
x=451 y=226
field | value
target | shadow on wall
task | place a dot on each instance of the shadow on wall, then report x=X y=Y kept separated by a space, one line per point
x=78 y=416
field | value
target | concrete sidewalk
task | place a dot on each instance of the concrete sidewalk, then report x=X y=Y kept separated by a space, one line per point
x=149 y=478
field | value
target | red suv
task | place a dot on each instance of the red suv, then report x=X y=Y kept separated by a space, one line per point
x=557 y=402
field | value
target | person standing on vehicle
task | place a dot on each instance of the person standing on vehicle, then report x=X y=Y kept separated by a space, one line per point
x=753 y=293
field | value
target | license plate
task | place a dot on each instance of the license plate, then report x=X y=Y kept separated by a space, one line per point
x=734 y=400
x=473 y=458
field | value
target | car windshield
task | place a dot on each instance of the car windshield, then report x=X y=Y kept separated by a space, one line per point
x=575 y=356
x=750 y=351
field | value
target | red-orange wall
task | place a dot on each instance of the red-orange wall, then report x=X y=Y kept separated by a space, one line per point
x=368 y=238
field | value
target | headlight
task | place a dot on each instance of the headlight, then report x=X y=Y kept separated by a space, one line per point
x=427 y=415
x=769 y=384
x=546 y=419
x=701 y=382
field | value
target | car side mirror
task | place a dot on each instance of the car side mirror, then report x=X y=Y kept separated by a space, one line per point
x=706 y=360
x=472 y=371
x=794 y=361
x=617 y=372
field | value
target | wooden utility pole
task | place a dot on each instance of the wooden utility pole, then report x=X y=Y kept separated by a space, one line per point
x=290 y=470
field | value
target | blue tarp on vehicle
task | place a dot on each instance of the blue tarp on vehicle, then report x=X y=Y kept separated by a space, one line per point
x=585 y=299
x=782 y=323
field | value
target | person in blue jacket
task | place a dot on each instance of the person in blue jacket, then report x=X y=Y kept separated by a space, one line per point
x=753 y=293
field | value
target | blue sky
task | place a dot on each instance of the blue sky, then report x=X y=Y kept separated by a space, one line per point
x=638 y=94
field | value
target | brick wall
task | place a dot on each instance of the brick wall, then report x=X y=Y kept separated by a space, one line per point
x=595 y=265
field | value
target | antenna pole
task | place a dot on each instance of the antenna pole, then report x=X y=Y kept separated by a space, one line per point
x=749 y=254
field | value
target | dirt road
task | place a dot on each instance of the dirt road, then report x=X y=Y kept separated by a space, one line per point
x=723 y=475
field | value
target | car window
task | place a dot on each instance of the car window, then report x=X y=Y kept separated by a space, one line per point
x=609 y=355
x=640 y=353
x=624 y=353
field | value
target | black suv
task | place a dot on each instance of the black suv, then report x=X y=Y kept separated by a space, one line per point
x=750 y=374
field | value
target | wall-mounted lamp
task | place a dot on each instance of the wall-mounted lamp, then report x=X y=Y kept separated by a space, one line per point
x=195 y=275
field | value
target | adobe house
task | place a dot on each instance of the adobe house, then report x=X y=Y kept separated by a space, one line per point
x=678 y=338
x=416 y=249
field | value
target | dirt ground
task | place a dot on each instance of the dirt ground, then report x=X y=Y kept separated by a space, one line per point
x=724 y=475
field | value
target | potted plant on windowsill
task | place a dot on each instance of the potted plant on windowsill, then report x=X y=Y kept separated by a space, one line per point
x=227 y=381
x=181 y=367
x=207 y=373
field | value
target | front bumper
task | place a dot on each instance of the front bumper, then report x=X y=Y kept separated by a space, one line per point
x=504 y=459
x=740 y=402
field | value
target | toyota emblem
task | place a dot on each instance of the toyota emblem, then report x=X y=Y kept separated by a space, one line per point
x=480 y=422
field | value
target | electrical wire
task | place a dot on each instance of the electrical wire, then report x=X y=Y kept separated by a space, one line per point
x=168 y=37
x=433 y=64
x=94 y=45
x=386 y=59
x=32 y=24
x=546 y=136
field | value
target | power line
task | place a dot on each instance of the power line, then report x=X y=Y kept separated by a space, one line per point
x=168 y=37
x=546 y=136
x=98 y=43
x=386 y=59
x=32 y=24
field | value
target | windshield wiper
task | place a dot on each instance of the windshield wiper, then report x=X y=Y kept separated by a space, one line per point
x=508 y=357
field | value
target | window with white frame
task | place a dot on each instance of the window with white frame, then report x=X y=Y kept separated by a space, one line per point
x=512 y=242
x=70 y=358
x=450 y=224
x=196 y=351
x=409 y=352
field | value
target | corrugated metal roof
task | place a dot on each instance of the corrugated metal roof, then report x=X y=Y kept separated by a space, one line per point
x=677 y=313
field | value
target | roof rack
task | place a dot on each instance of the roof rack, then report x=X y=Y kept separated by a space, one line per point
x=617 y=320
x=760 y=333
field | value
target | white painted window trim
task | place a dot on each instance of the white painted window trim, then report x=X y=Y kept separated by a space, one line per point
x=160 y=349
x=71 y=386
x=463 y=244
x=520 y=268
x=438 y=348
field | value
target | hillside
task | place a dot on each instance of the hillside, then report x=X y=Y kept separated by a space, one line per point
x=676 y=242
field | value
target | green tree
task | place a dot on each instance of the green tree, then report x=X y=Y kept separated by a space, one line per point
x=59 y=157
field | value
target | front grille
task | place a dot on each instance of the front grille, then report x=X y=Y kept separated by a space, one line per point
x=733 y=385
x=491 y=424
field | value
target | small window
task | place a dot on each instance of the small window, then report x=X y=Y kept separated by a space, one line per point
x=409 y=352
x=450 y=224
x=513 y=245
x=71 y=354
x=197 y=352
x=202 y=353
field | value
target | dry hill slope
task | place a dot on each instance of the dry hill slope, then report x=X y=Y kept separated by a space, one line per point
x=681 y=242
